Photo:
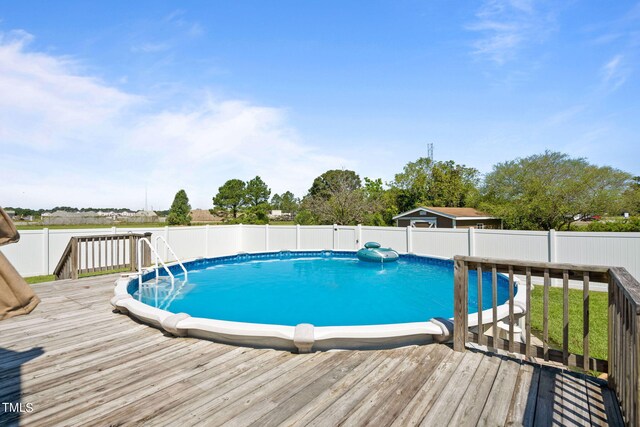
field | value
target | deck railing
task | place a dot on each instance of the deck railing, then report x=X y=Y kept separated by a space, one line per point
x=623 y=361
x=100 y=253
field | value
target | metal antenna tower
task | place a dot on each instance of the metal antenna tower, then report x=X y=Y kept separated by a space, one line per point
x=430 y=151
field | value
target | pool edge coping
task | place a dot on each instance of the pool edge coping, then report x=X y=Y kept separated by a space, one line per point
x=298 y=338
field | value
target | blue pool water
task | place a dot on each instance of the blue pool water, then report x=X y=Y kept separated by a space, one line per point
x=321 y=290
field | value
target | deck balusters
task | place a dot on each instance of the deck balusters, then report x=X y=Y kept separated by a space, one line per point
x=83 y=254
x=623 y=362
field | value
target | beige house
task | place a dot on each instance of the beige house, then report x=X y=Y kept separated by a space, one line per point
x=434 y=217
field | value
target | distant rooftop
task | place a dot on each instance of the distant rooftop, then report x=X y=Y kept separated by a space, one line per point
x=454 y=213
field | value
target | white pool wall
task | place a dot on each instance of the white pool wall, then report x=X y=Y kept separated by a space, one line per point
x=301 y=338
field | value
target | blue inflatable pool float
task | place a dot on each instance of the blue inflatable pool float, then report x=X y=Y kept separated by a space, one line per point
x=372 y=252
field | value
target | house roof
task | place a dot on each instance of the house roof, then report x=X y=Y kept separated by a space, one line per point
x=203 y=215
x=453 y=213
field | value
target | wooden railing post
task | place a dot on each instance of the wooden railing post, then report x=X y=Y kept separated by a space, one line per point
x=74 y=258
x=146 y=260
x=624 y=342
x=611 y=374
x=636 y=369
x=133 y=252
x=461 y=301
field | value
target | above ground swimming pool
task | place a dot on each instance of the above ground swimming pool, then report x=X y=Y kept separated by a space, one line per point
x=329 y=298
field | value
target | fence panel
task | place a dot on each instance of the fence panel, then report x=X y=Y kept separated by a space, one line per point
x=254 y=238
x=511 y=244
x=186 y=242
x=346 y=238
x=223 y=240
x=616 y=249
x=391 y=237
x=440 y=242
x=316 y=237
x=282 y=238
x=27 y=256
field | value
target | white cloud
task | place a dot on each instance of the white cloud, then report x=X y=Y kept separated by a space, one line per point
x=506 y=26
x=195 y=30
x=568 y=114
x=614 y=73
x=150 y=47
x=46 y=104
x=70 y=139
x=178 y=18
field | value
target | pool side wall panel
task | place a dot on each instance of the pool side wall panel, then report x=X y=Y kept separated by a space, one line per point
x=282 y=337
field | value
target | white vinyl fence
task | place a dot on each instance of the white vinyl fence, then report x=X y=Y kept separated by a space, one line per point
x=38 y=251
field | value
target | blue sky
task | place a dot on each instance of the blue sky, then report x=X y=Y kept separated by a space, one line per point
x=100 y=99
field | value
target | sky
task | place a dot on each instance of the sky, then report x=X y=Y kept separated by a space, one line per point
x=102 y=101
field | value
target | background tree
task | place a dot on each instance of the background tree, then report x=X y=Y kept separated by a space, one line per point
x=428 y=183
x=334 y=180
x=180 y=212
x=630 y=198
x=231 y=196
x=255 y=214
x=336 y=197
x=276 y=202
x=374 y=188
x=382 y=206
x=453 y=185
x=343 y=207
x=305 y=216
x=412 y=184
x=550 y=190
x=289 y=203
x=256 y=192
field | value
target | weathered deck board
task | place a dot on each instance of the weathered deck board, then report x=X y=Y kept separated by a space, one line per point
x=78 y=363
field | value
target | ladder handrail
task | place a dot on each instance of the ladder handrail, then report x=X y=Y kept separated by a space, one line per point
x=157 y=258
x=172 y=253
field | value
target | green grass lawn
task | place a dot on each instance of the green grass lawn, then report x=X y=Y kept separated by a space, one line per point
x=598 y=303
x=39 y=279
x=50 y=278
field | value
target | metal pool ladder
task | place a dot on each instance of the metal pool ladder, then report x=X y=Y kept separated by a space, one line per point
x=156 y=258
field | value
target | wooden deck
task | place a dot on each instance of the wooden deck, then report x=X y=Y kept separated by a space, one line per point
x=75 y=362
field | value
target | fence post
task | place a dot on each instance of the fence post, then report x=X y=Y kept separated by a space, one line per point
x=114 y=230
x=45 y=251
x=298 y=236
x=335 y=233
x=409 y=240
x=266 y=237
x=461 y=298
x=359 y=237
x=552 y=246
x=472 y=241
